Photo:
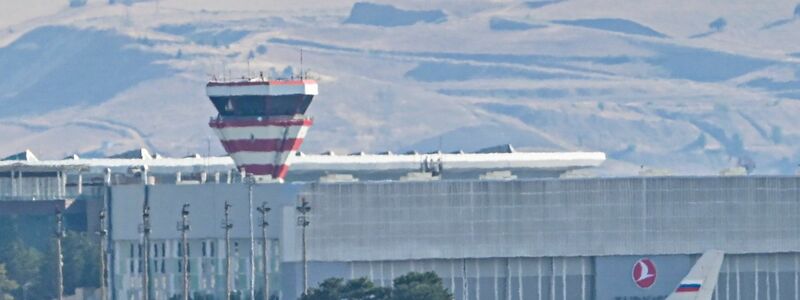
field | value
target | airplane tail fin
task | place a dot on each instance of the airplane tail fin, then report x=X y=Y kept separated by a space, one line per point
x=702 y=279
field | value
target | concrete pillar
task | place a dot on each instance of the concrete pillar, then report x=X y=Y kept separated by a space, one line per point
x=80 y=182
x=229 y=179
x=20 y=186
x=144 y=175
x=61 y=187
x=203 y=177
x=178 y=177
x=38 y=188
x=216 y=177
x=107 y=178
x=13 y=183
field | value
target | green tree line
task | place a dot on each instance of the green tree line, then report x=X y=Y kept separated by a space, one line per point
x=28 y=259
x=411 y=286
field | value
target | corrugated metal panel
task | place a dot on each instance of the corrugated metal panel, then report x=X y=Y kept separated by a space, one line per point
x=579 y=217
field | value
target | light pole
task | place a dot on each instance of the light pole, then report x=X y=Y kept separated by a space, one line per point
x=226 y=224
x=146 y=244
x=103 y=273
x=264 y=209
x=184 y=228
x=59 y=233
x=303 y=222
x=250 y=180
x=465 y=283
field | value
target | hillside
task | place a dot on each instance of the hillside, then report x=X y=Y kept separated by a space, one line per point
x=662 y=84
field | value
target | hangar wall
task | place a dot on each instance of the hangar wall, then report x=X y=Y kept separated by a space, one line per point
x=543 y=218
x=562 y=239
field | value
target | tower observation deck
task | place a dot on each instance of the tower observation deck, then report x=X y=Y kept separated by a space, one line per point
x=262 y=123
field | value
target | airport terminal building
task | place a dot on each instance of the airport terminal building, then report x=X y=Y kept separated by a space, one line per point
x=492 y=225
x=488 y=239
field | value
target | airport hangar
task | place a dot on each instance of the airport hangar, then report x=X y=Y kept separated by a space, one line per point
x=511 y=238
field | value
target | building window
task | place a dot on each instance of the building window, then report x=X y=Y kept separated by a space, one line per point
x=204 y=249
x=212 y=249
x=180 y=249
x=155 y=250
x=163 y=250
x=140 y=251
x=131 y=264
x=163 y=271
x=131 y=250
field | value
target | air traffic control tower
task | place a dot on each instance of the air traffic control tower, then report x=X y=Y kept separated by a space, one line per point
x=262 y=122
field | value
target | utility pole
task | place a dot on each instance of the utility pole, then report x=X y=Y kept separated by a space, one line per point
x=146 y=244
x=250 y=180
x=264 y=209
x=60 y=266
x=303 y=222
x=103 y=273
x=184 y=228
x=226 y=224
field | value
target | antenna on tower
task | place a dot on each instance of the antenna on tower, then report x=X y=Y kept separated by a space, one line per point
x=301 y=63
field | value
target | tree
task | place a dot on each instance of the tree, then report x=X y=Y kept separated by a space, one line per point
x=22 y=262
x=355 y=289
x=80 y=261
x=420 y=286
x=81 y=266
x=363 y=288
x=718 y=24
x=6 y=285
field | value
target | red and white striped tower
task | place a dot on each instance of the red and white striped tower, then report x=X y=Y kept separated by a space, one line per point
x=262 y=123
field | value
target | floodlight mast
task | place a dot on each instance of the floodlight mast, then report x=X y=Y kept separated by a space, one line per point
x=303 y=222
x=146 y=245
x=226 y=224
x=264 y=209
x=59 y=234
x=103 y=233
x=184 y=228
x=250 y=181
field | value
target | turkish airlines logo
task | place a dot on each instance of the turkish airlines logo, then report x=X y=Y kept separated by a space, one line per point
x=644 y=273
